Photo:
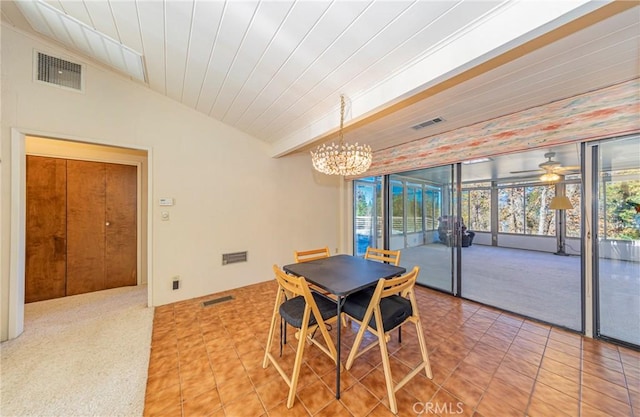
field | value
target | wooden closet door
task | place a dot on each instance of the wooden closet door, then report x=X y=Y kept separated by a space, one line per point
x=121 y=220
x=46 y=224
x=86 y=198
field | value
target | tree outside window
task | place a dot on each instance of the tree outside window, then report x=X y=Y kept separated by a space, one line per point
x=620 y=197
x=511 y=210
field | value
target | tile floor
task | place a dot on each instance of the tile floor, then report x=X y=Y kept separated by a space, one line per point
x=207 y=361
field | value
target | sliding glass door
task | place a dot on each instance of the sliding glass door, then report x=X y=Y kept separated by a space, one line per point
x=617 y=264
x=367 y=221
x=563 y=251
x=521 y=261
x=422 y=224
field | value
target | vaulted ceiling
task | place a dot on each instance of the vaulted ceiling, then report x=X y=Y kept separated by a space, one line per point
x=276 y=69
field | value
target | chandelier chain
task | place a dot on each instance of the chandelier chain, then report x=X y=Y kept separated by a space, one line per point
x=341 y=134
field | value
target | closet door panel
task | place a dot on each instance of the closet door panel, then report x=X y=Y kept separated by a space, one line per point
x=121 y=225
x=46 y=224
x=85 y=226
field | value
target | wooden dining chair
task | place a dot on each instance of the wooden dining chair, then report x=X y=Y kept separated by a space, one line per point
x=311 y=255
x=383 y=255
x=391 y=305
x=307 y=311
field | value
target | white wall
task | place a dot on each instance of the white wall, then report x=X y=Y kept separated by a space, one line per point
x=626 y=250
x=538 y=243
x=229 y=194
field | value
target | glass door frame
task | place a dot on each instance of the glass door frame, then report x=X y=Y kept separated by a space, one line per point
x=591 y=245
x=456 y=273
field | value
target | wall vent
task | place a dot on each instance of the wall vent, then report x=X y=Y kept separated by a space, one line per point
x=215 y=301
x=52 y=70
x=428 y=123
x=232 y=258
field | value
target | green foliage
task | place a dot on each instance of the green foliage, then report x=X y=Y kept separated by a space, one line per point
x=623 y=210
x=363 y=207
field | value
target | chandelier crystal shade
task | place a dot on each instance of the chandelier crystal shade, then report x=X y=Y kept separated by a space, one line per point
x=342 y=158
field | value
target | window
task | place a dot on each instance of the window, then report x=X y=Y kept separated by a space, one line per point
x=573 y=191
x=397 y=208
x=414 y=208
x=620 y=191
x=367 y=210
x=524 y=209
x=419 y=210
x=432 y=199
x=411 y=209
x=511 y=210
x=539 y=220
x=476 y=209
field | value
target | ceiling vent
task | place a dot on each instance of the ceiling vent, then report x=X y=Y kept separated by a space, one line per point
x=428 y=123
x=52 y=70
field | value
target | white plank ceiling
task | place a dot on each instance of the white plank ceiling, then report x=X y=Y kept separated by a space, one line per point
x=276 y=69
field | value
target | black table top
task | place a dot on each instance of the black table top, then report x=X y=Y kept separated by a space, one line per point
x=343 y=274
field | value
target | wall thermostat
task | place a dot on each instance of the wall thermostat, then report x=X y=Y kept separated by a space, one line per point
x=166 y=201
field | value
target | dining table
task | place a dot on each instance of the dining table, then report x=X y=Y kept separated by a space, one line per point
x=342 y=275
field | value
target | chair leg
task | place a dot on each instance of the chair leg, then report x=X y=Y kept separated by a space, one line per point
x=358 y=341
x=356 y=344
x=283 y=334
x=330 y=347
x=272 y=329
x=386 y=365
x=423 y=350
x=298 y=362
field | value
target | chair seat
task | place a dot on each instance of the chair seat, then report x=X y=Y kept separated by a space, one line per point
x=293 y=309
x=394 y=309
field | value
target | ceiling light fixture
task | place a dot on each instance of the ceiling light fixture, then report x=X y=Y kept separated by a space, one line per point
x=342 y=158
x=476 y=161
x=549 y=176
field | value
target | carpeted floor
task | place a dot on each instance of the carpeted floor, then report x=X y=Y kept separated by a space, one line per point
x=536 y=284
x=83 y=355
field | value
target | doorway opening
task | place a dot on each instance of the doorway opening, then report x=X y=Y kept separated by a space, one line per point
x=23 y=144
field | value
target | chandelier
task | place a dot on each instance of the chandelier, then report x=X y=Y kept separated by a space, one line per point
x=342 y=158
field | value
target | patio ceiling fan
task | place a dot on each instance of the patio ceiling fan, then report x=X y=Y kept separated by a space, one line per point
x=551 y=170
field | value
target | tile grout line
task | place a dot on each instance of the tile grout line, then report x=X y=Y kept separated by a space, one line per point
x=535 y=378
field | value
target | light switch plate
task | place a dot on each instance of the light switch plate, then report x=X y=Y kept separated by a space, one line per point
x=166 y=201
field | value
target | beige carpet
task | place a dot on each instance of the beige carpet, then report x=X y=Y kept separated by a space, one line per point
x=84 y=355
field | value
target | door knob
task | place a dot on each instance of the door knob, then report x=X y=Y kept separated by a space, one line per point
x=107 y=223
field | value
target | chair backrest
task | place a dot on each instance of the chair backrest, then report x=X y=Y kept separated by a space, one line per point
x=383 y=255
x=297 y=286
x=388 y=315
x=291 y=284
x=402 y=285
x=311 y=255
x=447 y=222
